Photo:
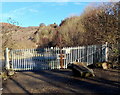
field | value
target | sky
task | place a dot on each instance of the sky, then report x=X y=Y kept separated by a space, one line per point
x=34 y=13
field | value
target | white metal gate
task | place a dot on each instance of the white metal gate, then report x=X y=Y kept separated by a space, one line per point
x=49 y=58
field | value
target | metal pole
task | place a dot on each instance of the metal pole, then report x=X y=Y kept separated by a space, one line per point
x=106 y=52
x=7 y=59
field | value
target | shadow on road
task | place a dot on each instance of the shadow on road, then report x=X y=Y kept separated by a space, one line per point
x=65 y=81
x=20 y=85
x=61 y=81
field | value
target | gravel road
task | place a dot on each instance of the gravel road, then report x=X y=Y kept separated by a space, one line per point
x=63 y=81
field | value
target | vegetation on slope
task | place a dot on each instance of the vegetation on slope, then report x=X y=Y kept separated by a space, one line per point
x=96 y=25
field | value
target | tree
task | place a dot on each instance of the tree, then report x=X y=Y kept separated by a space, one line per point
x=101 y=23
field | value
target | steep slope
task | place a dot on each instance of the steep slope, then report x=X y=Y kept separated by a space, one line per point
x=16 y=37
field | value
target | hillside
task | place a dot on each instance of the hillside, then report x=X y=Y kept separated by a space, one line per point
x=17 y=37
x=95 y=25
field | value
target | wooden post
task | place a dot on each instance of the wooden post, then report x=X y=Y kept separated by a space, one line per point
x=61 y=55
x=7 y=59
x=106 y=52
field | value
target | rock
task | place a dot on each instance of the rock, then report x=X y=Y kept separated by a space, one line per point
x=98 y=65
x=10 y=73
x=5 y=78
x=107 y=65
x=104 y=65
x=4 y=75
x=89 y=74
x=81 y=63
x=80 y=69
x=1 y=89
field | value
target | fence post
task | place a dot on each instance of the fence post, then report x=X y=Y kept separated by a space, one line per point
x=106 y=52
x=7 y=65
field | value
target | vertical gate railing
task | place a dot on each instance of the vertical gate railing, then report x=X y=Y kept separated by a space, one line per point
x=49 y=58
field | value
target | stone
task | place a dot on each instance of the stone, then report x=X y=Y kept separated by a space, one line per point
x=11 y=73
x=81 y=63
x=98 y=65
x=4 y=75
x=104 y=65
x=80 y=69
x=107 y=65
